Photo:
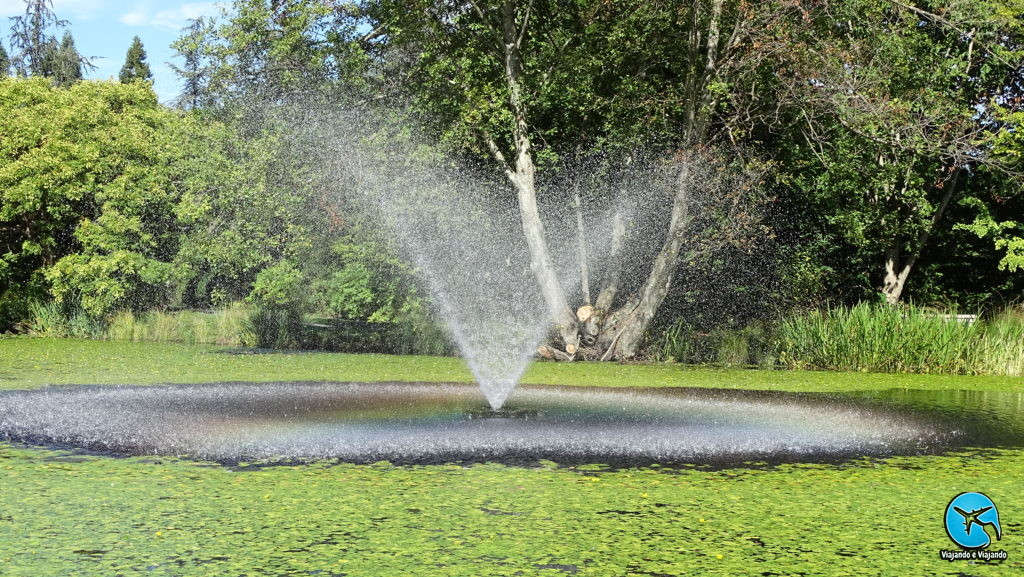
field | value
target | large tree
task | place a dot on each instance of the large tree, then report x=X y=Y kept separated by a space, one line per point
x=37 y=52
x=110 y=198
x=62 y=62
x=31 y=36
x=263 y=51
x=892 y=106
x=194 y=72
x=527 y=82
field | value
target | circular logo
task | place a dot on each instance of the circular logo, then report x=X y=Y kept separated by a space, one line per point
x=969 y=518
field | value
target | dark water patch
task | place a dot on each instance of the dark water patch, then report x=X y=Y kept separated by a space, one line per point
x=992 y=419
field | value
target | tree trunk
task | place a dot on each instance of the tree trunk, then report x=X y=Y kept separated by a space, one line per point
x=625 y=328
x=590 y=328
x=895 y=276
x=524 y=179
x=896 y=272
x=613 y=272
x=581 y=241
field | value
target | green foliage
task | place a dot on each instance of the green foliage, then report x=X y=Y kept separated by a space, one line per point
x=368 y=281
x=901 y=339
x=752 y=345
x=349 y=292
x=31 y=39
x=278 y=285
x=194 y=74
x=263 y=51
x=998 y=220
x=597 y=76
x=79 y=182
x=135 y=65
x=220 y=327
x=862 y=155
x=63 y=319
x=5 y=62
x=277 y=327
x=110 y=196
x=62 y=62
x=1005 y=239
x=14 y=308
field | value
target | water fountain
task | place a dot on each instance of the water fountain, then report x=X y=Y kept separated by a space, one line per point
x=472 y=257
x=431 y=423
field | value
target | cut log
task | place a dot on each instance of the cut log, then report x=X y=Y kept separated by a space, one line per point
x=552 y=353
x=584 y=313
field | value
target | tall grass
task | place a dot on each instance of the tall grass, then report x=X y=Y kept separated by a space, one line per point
x=240 y=325
x=63 y=319
x=221 y=327
x=746 y=346
x=1002 y=347
x=863 y=338
x=880 y=338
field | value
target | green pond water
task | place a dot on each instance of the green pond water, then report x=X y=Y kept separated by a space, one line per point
x=67 y=513
x=63 y=513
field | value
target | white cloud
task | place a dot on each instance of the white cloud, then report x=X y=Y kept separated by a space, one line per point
x=79 y=9
x=136 y=18
x=173 y=19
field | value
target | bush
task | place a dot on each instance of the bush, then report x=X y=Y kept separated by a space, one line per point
x=14 y=309
x=750 y=345
x=280 y=327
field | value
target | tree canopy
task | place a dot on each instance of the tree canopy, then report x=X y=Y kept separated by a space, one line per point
x=779 y=153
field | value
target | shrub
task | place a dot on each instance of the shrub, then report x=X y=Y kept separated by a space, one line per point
x=276 y=327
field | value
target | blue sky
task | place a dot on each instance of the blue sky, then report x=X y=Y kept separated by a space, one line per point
x=104 y=29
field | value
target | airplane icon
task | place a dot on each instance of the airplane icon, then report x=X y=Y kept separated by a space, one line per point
x=971 y=519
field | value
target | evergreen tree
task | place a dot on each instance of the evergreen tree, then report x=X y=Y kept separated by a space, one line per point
x=30 y=39
x=195 y=74
x=62 y=61
x=5 y=62
x=36 y=52
x=135 y=65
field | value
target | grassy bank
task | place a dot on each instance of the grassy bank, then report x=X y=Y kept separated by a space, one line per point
x=863 y=338
x=902 y=340
x=32 y=362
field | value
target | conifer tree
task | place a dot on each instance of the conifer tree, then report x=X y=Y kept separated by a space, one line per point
x=30 y=37
x=5 y=62
x=135 y=65
x=62 y=61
